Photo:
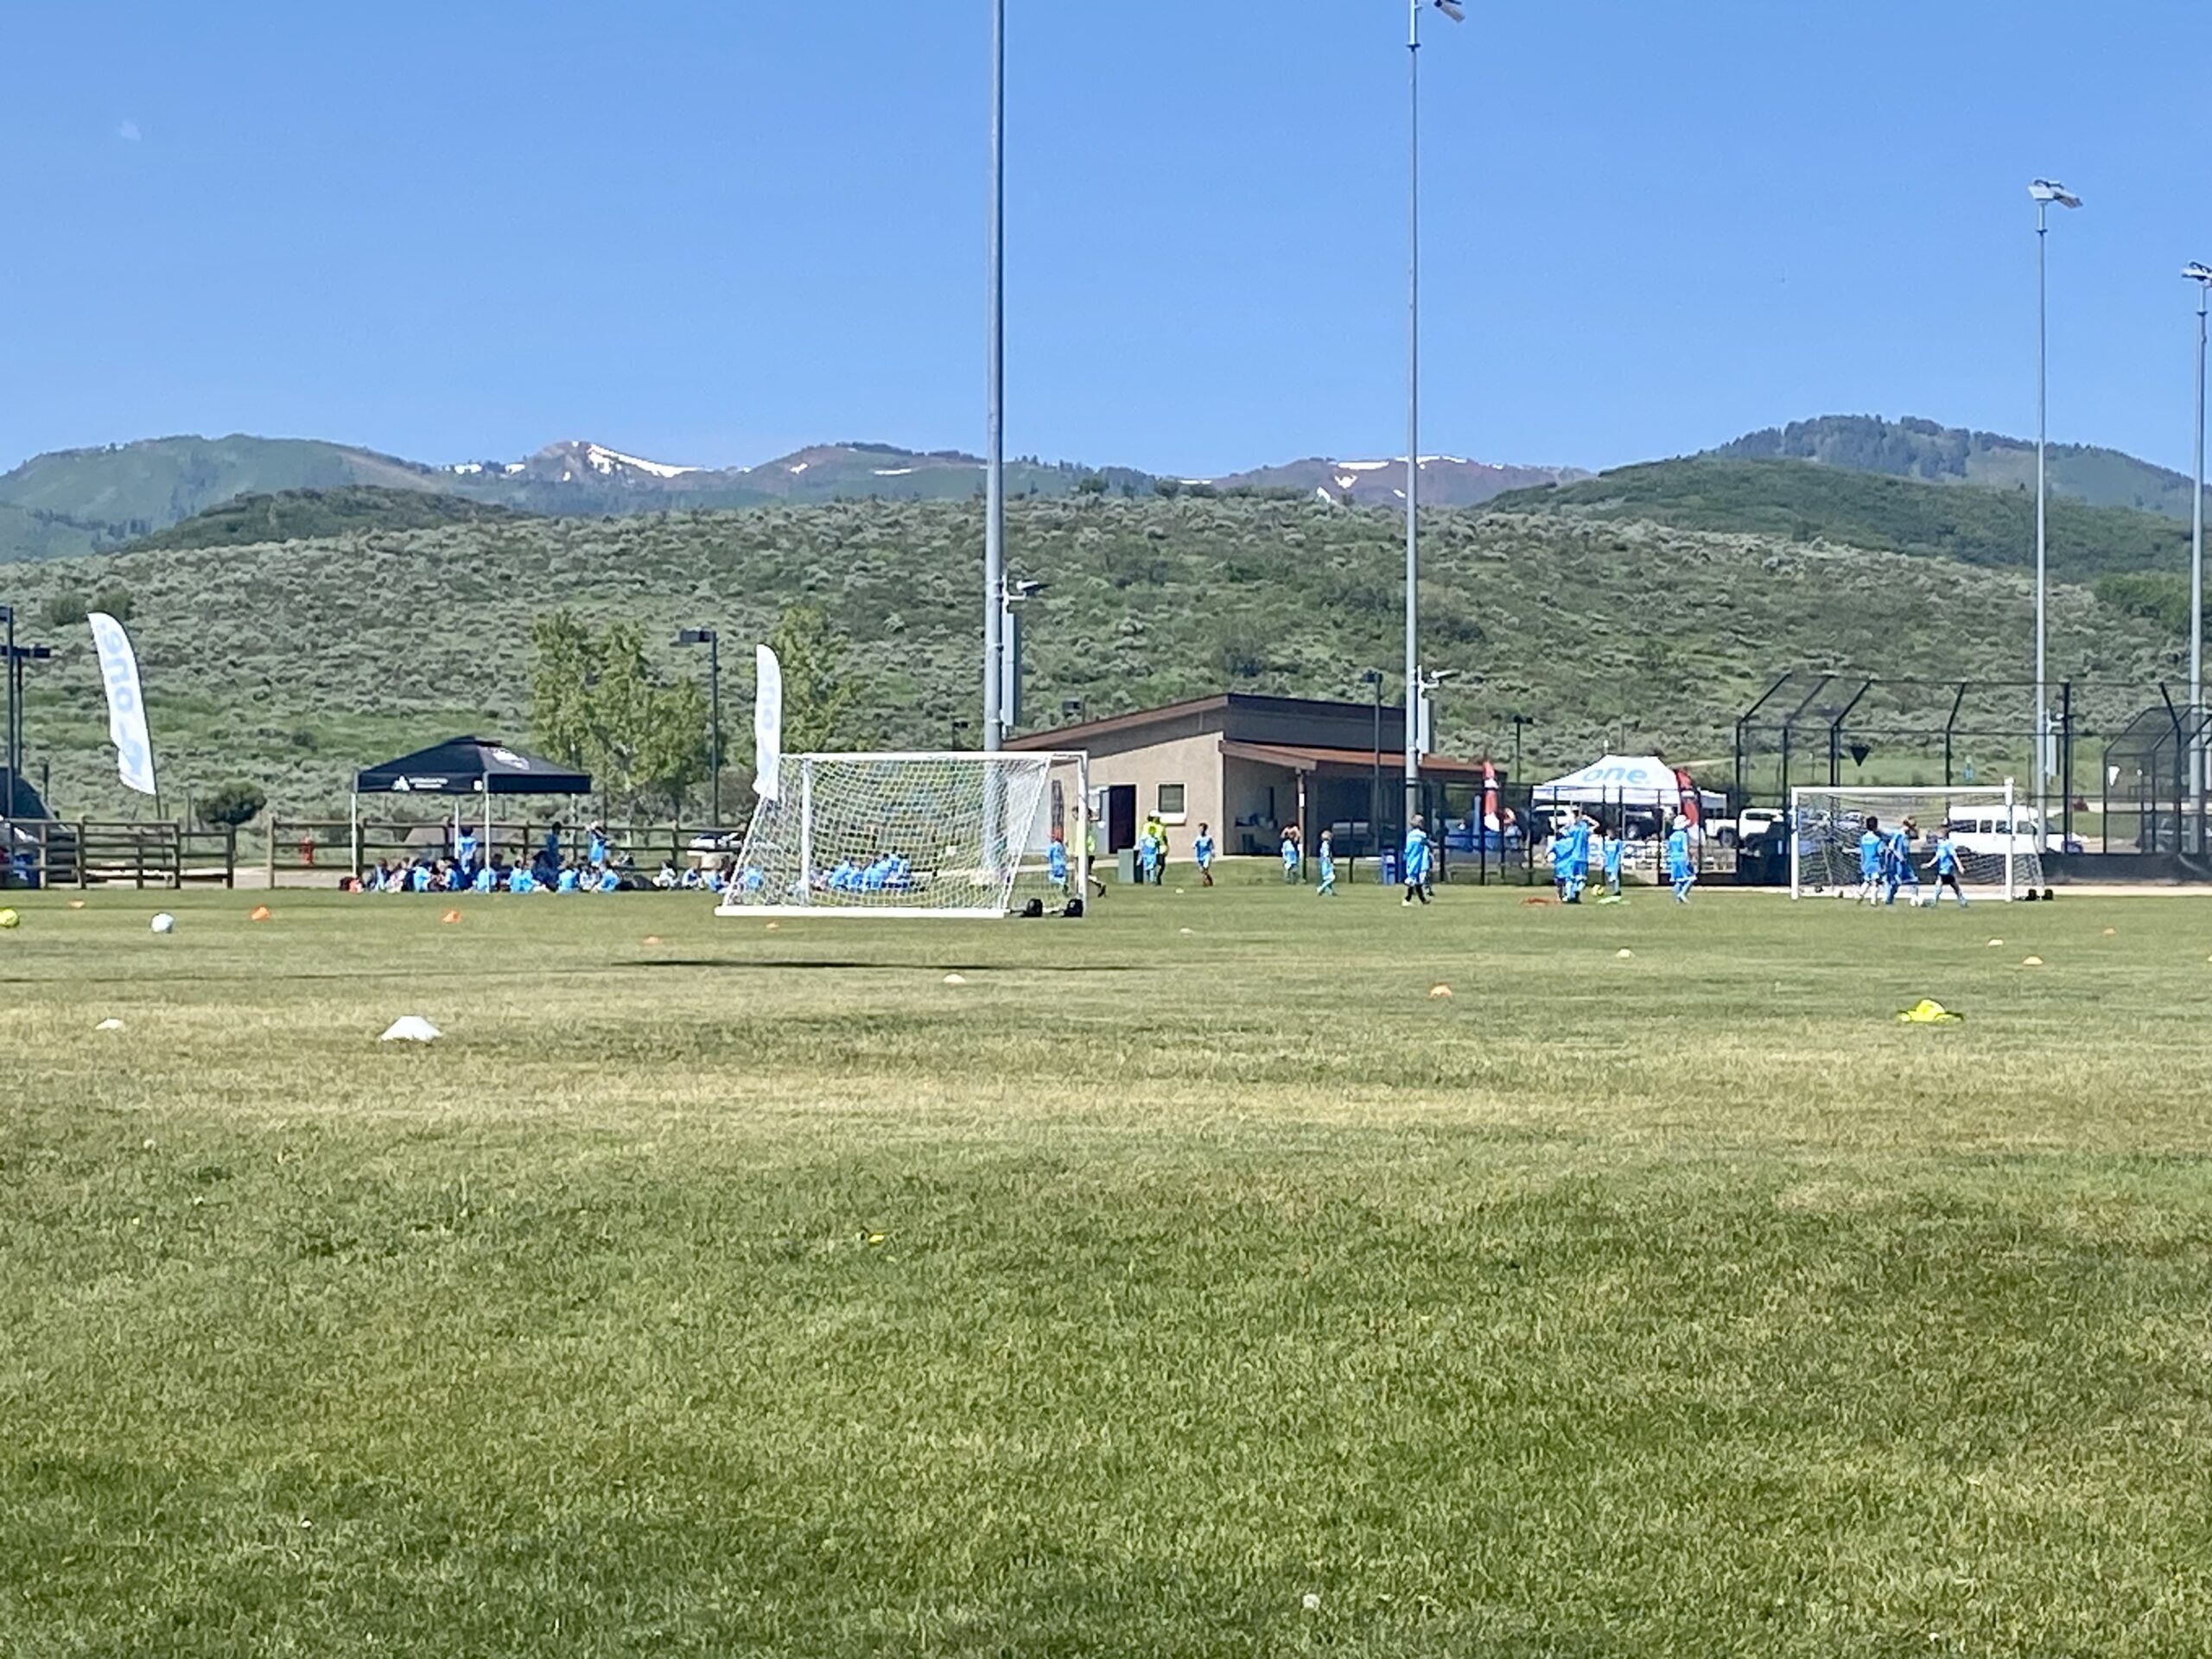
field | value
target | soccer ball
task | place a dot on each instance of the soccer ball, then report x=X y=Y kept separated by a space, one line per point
x=9 y=918
x=164 y=922
x=1923 y=901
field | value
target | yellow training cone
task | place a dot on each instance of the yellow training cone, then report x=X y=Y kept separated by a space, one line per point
x=2031 y=962
x=954 y=979
x=1623 y=954
x=1927 y=1011
x=258 y=913
x=1439 y=990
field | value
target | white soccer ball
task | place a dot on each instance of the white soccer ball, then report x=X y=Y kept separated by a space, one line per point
x=164 y=922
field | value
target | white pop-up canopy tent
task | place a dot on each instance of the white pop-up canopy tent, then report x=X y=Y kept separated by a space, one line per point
x=1620 y=780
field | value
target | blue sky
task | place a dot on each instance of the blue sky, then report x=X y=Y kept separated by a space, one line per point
x=709 y=232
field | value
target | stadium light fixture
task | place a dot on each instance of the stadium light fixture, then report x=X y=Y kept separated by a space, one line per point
x=2043 y=192
x=1457 y=13
x=712 y=641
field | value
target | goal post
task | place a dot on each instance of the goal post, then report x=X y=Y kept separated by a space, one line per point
x=1999 y=841
x=917 y=834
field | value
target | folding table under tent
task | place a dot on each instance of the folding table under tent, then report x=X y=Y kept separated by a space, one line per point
x=464 y=767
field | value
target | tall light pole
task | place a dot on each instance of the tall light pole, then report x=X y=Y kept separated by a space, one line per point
x=2201 y=275
x=994 y=399
x=1413 y=8
x=2043 y=192
x=712 y=641
x=1375 y=676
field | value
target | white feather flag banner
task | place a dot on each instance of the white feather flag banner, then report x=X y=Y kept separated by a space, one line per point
x=126 y=703
x=767 y=723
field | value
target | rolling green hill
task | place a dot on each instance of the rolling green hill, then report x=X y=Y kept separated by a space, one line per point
x=308 y=515
x=1923 y=449
x=1799 y=504
x=293 y=663
x=113 y=495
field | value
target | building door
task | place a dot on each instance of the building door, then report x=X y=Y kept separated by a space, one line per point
x=1120 y=817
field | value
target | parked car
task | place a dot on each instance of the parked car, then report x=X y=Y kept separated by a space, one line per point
x=1982 y=828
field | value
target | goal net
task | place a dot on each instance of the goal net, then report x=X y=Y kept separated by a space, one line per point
x=916 y=834
x=1999 y=841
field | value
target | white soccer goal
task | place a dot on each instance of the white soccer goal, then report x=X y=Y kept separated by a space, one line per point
x=2000 y=841
x=916 y=834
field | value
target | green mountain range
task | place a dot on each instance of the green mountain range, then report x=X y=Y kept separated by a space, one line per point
x=95 y=500
x=1614 y=612
x=1949 y=455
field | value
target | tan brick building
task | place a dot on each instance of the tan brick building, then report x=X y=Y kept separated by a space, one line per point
x=1250 y=764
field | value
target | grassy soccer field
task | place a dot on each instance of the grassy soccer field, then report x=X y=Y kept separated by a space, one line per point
x=1152 y=1292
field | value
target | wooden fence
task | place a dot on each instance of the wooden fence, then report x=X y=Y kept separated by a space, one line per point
x=83 y=853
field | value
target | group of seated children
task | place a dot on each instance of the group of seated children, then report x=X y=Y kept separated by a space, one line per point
x=599 y=869
x=496 y=876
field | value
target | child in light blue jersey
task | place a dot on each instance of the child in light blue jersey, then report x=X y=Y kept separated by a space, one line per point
x=1056 y=861
x=1680 y=871
x=1202 y=854
x=1614 y=847
x=1897 y=857
x=1571 y=857
x=1945 y=866
x=1290 y=852
x=1870 y=860
x=1417 y=854
x=1148 y=858
x=1328 y=855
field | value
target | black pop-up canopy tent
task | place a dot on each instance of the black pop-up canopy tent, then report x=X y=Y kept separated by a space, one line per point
x=466 y=766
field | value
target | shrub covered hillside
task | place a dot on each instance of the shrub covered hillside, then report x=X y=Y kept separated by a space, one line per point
x=291 y=664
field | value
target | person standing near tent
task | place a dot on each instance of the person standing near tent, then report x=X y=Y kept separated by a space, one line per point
x=1680 y=871
x=1571 y=856
x=1611 y=850
x=1417 y=862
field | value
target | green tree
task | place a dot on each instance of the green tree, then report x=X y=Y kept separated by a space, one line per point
x=228 y=805
x=822 y=697
x=596 y=703
x=564 y=664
